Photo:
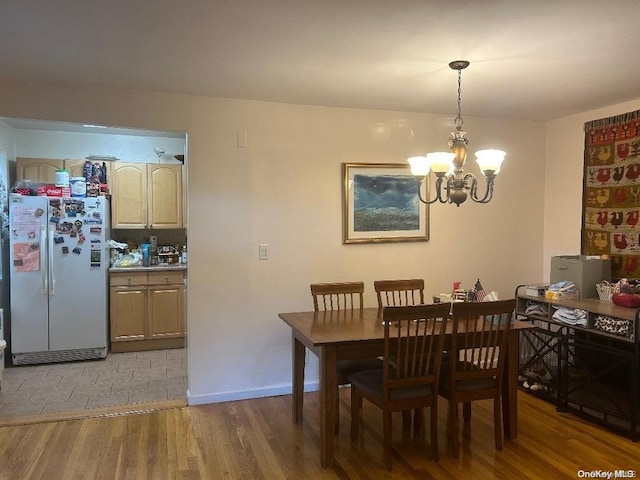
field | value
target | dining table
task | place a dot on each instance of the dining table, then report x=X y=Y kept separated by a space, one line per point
x=334 y=335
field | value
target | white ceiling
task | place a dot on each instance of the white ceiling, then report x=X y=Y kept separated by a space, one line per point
x=530 y=59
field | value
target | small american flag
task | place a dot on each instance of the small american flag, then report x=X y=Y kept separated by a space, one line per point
x=479 y=292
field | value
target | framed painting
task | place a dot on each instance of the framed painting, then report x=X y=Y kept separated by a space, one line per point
x=381 y=204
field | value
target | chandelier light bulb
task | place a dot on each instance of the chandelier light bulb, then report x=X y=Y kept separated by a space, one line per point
x=490 y=160
x=420 y=166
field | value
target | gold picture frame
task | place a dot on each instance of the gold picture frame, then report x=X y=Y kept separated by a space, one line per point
x=381 y=204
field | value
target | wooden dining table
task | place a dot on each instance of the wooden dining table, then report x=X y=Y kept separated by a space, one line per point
x=352 y=334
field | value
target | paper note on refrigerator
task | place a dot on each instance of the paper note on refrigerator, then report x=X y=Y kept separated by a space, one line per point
x=26 y=257
x=25 y=222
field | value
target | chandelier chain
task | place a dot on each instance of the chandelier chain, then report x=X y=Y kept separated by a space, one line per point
x=459 y=121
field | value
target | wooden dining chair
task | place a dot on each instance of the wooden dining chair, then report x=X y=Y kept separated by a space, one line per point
x=343 y=296
x=413 y=348
x=479 y=343
x=398 y=293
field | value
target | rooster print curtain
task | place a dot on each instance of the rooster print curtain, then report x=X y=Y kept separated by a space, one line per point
x=611 y=202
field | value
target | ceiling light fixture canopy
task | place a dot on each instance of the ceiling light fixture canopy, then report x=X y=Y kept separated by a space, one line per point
x=452 y=183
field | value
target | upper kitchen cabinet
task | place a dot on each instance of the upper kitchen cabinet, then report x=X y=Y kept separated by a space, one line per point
x=43 y=170
x=39 y=170
x=147 y=196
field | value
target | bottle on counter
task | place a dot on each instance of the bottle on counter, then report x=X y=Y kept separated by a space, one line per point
x=183 y=255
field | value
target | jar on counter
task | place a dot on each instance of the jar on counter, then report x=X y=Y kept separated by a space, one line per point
x=78 y=187
x=61 y=178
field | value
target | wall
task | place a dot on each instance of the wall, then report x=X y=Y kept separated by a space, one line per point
x=74 y=145
x=564 y=176
x=284 y=189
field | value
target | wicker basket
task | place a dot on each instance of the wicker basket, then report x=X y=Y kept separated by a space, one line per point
x=606 y=290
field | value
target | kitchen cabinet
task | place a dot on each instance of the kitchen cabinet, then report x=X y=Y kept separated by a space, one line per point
x=147 y=196
x=147 y=310
x=39 y=170
x=42 y=170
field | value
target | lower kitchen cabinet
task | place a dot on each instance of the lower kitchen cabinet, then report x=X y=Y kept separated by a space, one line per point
x=147 y=310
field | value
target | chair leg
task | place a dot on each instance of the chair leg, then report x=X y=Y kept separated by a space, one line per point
x=497 y=422
x=336 y=426
x=434 y=430
x=356 y=404
x=466 y=412
x=386 y=439
x=418 y=419
x=453 y=424
x=406 y=421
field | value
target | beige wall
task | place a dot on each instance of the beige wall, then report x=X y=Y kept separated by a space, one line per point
x=285 y=190
x=563 y=184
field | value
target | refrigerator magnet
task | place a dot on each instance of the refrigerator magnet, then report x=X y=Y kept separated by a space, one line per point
x=77 y=250
x=95 y=230
x=95 y=256
x=58 y=239
x=65 y=249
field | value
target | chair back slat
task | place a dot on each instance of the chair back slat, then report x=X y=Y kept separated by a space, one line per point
x=337 y=296
x=399 y=292
x=480 y=338
x=413 y=345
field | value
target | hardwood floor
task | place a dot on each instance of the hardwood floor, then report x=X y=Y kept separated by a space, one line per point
x=256 y=439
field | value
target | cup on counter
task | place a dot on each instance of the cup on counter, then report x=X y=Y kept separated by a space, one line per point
x=146 y=254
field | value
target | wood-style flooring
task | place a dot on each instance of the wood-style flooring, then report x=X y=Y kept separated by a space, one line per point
x=256 y=439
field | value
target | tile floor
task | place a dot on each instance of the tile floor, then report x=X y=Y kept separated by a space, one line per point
x=119 y=379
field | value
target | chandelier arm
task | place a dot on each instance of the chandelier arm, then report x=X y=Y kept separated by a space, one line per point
x=488 y=194
x=419 y=182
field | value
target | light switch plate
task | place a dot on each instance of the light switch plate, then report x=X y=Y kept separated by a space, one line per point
x=263 y=251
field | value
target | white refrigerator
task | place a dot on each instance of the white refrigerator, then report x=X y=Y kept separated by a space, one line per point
x=58 y=263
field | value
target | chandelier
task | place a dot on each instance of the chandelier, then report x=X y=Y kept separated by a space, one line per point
x=452 y=183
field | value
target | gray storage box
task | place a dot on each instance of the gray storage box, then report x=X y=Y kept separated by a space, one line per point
x=583 y=271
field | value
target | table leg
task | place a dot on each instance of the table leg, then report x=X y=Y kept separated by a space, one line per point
x=510 y=388
x=298 y=350
x=328 y=393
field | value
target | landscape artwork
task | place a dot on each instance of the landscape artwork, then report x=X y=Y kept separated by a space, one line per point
x=382 y=204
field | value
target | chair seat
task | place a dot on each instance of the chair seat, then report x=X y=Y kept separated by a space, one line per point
x=370 y=382
x=464 y=385
x=344 y=368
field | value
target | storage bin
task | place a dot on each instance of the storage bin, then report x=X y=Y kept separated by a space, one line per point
x=583 y=271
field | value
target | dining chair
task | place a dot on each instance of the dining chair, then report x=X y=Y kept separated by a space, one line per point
x=476 y=362
x=343 y=296
x=397 y=293
x=413 y=348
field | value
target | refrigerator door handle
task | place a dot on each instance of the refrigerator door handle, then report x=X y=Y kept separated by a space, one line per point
x=52 y=278
x=44 y=280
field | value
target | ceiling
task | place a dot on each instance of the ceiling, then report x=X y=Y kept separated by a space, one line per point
x=535 y=60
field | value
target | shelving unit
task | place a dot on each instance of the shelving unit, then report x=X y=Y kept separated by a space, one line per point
x=584 y=370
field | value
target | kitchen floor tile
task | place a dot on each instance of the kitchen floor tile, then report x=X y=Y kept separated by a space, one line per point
x=120 y=379
x=109 y=400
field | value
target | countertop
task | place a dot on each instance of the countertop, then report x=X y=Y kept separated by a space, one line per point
x=155 y=268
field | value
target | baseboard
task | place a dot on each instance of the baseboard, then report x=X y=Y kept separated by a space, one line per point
x=247 y=394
